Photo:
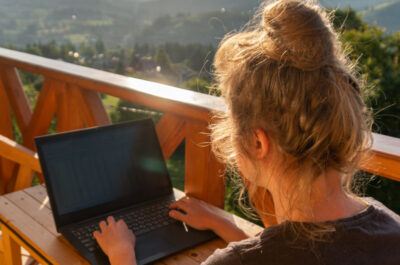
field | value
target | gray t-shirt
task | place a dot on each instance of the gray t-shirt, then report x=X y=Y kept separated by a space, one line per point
x=371 y=237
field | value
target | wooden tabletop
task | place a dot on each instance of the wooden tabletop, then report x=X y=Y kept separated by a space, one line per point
x=27 y=216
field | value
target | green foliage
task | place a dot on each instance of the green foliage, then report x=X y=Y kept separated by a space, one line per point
x=348 y=19
x=377 y=56
x=197 y=84
x=127 y=111
x=163 y=60
x=385 y=191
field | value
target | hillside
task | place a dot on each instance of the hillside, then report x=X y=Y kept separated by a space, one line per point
x=205 y=28
x=126 y=22
x=156 y=8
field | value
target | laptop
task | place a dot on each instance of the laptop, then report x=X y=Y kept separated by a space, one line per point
x=116 y=170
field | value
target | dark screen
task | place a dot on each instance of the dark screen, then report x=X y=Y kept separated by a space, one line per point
x=122 y=165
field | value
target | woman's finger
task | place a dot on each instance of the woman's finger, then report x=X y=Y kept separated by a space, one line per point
x=174 y=205
x=181 y=205
x=133 y=237
x=122 y=223
x=103 y=226
x=96 y=235
x=178 y=215
x=110 y=220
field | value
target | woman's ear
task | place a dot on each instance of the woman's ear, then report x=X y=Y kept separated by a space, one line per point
x=261 y=144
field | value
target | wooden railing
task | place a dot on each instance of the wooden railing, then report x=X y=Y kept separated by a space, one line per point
x=71 y=93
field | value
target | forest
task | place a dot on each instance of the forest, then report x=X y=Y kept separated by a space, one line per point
x=189 y=65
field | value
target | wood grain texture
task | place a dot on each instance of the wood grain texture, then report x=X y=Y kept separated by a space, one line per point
x=19 y=154
x=204 y=175
x=1 y=252
x=39 y=193
x=54 y=249
x=45 y=109
x=12 y=251
x=189 y=104
x=34 y=208
x=69 y=116
x=16 y=96
x=8 y=168
x=382 y=166
x=24 y=178
x=27 y=256
x=171 y=132
x=94 y=112
x=29 y=214
x=154 y=95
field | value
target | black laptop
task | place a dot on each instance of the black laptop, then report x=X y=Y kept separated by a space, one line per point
x=115 y=170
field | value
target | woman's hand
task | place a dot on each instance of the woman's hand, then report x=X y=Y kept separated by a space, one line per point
x=117 y=241
x=198 y=214
x=203 y=216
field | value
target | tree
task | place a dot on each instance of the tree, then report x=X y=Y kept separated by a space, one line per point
x=100 y=47
x=163 y=60
x=376 y=54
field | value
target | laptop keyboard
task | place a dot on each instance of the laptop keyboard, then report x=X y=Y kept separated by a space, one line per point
x=140 y=221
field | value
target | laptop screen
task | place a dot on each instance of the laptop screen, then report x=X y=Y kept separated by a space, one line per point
x=110 y=166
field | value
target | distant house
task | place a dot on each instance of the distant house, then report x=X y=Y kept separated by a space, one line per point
x=143 y=64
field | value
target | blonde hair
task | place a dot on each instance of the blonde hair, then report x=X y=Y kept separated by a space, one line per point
x=288 y=75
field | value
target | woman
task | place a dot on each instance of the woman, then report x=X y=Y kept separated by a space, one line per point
x=296 y=129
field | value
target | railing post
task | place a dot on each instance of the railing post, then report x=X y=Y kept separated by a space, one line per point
x=43 y=114
x=8 y=169
x=204 y=175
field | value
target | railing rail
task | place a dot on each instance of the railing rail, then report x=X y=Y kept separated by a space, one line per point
x=71 y=93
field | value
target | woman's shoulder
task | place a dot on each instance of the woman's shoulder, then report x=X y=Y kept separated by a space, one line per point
x=376 y=215
x=249 y=251
x=376 y=231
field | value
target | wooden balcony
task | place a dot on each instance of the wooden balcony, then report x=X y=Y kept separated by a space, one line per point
x=70 y=93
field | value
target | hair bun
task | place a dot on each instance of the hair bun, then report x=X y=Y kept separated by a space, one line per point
x=296 y=32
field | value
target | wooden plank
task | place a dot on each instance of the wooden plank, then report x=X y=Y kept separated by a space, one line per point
x=39 y=193
x=204 y=176
x=43 y=114
x=68 y=109
x=8 y=168
x=20 y=154
x=382 y=166
x=17 y=97
x=54 y=249
x=385 y=157
x=38 y=211
x=5 y=114
x=164 y=98
x=161 y=97
x=170 y=131
x=94 y=112
x=386 y=146
x=12 y=251
x=24 y=178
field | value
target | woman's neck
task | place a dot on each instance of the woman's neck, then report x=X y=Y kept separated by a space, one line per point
x=328 y=201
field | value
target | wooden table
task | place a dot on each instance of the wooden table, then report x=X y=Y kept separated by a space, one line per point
x=27 y=221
